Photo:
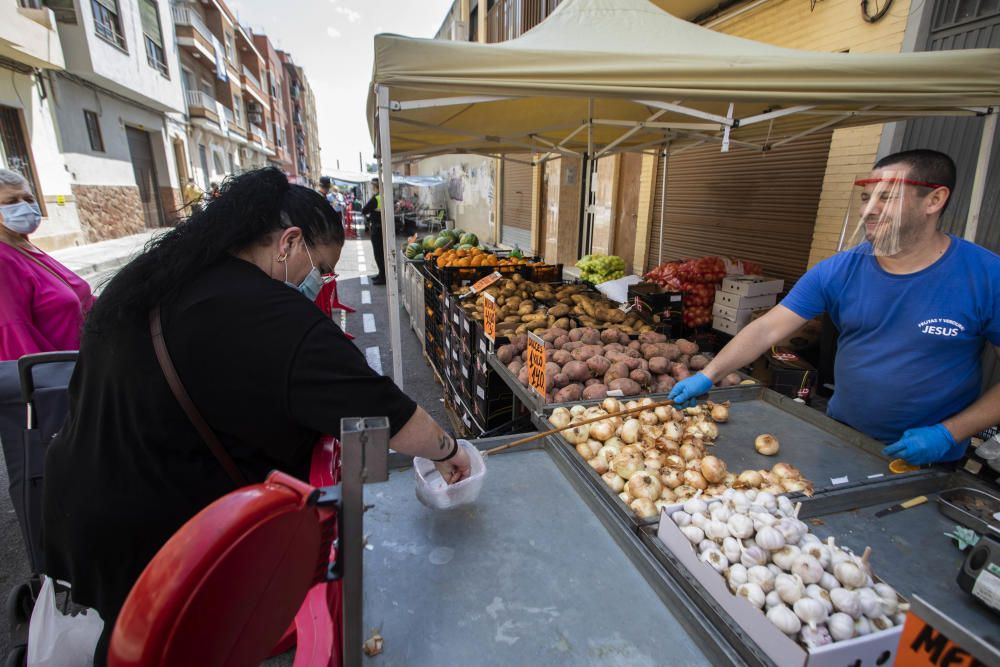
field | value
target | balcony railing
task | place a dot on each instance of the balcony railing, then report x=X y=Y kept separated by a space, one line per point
x=185 y=16
x=199 y=98
x=252 y=77
x=508 y=19
x=258 y=133
x=230 y=116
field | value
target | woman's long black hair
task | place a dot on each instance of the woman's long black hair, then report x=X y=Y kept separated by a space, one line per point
x=246 y=213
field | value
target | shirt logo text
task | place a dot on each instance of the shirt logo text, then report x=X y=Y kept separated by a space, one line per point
x=941 y=327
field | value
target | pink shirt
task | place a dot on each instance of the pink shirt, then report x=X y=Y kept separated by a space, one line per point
x=38 y=311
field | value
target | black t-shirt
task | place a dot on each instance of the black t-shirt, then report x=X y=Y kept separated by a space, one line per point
x=268 y=372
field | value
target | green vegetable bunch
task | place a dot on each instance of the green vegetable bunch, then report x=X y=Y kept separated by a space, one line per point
x=601 y=268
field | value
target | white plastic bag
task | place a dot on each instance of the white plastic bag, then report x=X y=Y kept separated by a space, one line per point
x=58 y=640
x=437 y=494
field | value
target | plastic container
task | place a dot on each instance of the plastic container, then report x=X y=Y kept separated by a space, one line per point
x=437 y=494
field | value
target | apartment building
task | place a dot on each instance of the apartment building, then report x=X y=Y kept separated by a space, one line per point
x=30 y=51
x=276 y=88
x=228 y=105
x=302 y=125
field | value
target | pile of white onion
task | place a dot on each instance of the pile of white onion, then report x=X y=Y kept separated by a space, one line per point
x=815 y=592
x=659 y=457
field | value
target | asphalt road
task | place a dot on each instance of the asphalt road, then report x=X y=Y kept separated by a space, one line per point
x=372 y=334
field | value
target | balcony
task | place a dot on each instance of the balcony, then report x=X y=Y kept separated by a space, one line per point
x=29 y=36
x=192 y=33
x=202 y=105
x=258 y=134
x=251 y=84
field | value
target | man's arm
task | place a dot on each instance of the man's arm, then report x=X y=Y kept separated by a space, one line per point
x=370 y=207
x=756 y=338
x=979 y=416
x=421 y=436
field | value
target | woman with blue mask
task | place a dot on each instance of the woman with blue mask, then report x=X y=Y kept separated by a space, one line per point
x=42 y=303
x=230 y=291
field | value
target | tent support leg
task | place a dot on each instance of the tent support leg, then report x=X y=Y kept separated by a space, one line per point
x=389 y=233
x=979 y=180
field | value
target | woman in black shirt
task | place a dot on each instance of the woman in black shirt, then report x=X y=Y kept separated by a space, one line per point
x=267 y=371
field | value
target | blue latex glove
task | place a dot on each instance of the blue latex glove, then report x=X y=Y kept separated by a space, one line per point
x=921 y=446
x=686 y=391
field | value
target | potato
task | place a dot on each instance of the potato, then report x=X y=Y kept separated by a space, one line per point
x=634 y=345
x=572 y=345
x=614 y=347
x=731 y=380
x=562 y=322
x=651 y=337
x=698 y=362
x=631 y=362
x=642 y=377
x=522 y=376
x=687 y=347
x=586 y=352
x=560 y=341
x=595 y=391
x=670 y=351
x=515 y=366
x=664 y=384
x=627 y=386
x=570 y=392
x=505 y=353
x=659 y=365
x=562 y=310
x=575 y=334
x=598 y=365
x=562 y=357
x=560 y=380
x=591 y=337
x=577 y=371
x=623 y=338
x=592 y=381
x=616 y=371
x=679 y=371
x=684 y=359
x=552 y=369
x=609 y=336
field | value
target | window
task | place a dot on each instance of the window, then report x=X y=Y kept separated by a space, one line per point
x=203 y=158
x=238 y=109
x=152 y=35
x=94 y=131
x=230 y=47
x=107 y=23
x=15 y=153
x=217 y=162
x=232 y=164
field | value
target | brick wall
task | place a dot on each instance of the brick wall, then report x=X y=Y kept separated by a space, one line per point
x=108 y=212
x=833 y=25
x=171 y=201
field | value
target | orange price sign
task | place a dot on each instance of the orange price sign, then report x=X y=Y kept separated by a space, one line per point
x=483 y=283
x=490 y=317
x=921 y=645
x=536 y=364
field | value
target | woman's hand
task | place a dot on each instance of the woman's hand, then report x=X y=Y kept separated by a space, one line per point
x=456 y=468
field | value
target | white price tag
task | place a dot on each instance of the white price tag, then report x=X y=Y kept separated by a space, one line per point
x=480 y=393
x=482 y=346
x=617 y=393
x=839 y=480
x=876 y=476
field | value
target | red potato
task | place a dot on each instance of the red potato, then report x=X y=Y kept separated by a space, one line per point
x=575 y=334
x=591 y=337
x=561 y=341
x=522 y=376
x=572 y=345
x=680 y=371
x=686 y=346
x=587 y=351
x=623 y=338
x=505 y=353
x=730 y=380
x=670 y=351
x=632 y=362
x=650 y=350
x=557 y=332
x=552 y=369
x=609 y=336
x=576 y=371
x=664 y=385
x=684 y=359
x=560 y=380
x=524 y=355
x=598 y=365
x=643 y=365
x=515 y=366
x=698 y=362
x=640 y=376
x=562 y=357
x=614 y=347
x=618 y=370
x=634 y=345
x=627 y=386
x=592 y=381
x=548 y=336
x=659 y=365
x=595 y=391
x=652 y=337
x=570 y=392
x=520 y=341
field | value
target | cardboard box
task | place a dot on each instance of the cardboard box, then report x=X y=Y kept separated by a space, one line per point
x=784 y=651
x=726 y=326
x=740 y=316
x=731 y=300
x=752 y=285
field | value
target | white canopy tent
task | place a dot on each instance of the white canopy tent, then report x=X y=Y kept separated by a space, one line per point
x=599 y=77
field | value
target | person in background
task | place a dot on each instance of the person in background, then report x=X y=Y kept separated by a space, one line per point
x=213 y=190
x=373 y=212
x=192 y=197
x=913 y=324
x=42 y=303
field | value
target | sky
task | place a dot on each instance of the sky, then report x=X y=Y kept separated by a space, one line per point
x=332 y=41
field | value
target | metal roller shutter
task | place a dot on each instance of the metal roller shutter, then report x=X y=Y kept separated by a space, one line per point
x=755 y=206
x=515 y=214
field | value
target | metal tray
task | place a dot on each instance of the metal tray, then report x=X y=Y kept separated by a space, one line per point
x=949 y=506
x=827 y=452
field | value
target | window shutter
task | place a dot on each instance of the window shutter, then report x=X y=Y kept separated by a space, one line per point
x=150 y=21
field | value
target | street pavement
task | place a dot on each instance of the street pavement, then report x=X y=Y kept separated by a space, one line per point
x=369 y=324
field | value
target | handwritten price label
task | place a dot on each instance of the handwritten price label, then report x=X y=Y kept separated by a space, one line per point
x=490 y=317
x=483 y=283
x=536 y=364
x=920 y=645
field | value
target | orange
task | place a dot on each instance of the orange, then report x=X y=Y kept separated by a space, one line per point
x=899 y=465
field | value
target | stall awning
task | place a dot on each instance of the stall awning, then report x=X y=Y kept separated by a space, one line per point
x=623 y=74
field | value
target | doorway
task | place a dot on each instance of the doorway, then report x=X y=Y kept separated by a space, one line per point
x=627 y=208
x=140 y=149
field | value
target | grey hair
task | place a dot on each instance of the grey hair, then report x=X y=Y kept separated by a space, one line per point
x=13 y=179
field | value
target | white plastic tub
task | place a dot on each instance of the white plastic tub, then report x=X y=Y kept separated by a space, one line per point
x=437 y=494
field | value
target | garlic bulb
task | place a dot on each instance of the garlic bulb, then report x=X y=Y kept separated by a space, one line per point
x=846 y=601
x=751 y=493
x=791 y=529
x=862 y=627
x=681 y=518
x=731 y=549
x=789 y=588
x=850 y=575
x=617 y=484
x=890 y=600
x=716 y=530
x=699 y=520
x=705 y=545
x=775 y=570
x=716 y=559
x=815 y=636
x=772 y=599
x=753 y=556
x=763 y=577
x=739 y=502
x=766 y=444
x=820 y=594
x=881 y=623
x=841 y=626
x=767 y=501
x=785 y=557
x=736 y=575
x=740 y=525
x=828 y=581
x=837 y=554
x=693 y=533
x=820 y=552
x=808 y=538
x=785 y=506
x=811 y=611
x=808 y=568
x=720 y=512
x=770 y=539
x=784 y=619
x=762 y=518
x=695 y=506
x=753 y=594
x=870 y=602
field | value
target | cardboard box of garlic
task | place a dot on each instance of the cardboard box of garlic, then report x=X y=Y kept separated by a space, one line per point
x=659 y=457
x=803 y=601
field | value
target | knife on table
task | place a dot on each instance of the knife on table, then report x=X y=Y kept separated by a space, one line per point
x=905 y=505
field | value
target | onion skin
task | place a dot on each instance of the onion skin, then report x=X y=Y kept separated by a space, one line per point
x=713 y=469
x=767 y=444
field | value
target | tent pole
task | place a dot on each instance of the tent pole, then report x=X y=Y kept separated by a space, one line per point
x=389 y=232
x=979 y=180
x=663 y=200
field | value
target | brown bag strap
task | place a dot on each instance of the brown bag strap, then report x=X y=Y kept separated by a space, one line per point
x=180 y=393
x=43 y=265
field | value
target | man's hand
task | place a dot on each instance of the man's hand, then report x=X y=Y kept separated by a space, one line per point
x=686 y=391
x=457 y=467
x=921 y=446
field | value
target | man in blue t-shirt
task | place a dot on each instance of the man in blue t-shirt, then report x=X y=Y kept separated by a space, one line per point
x=912 y=325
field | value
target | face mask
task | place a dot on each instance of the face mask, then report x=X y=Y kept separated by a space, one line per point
x=22 y=217
x=312 y=283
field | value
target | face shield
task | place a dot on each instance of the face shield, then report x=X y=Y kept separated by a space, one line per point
x=881 y=214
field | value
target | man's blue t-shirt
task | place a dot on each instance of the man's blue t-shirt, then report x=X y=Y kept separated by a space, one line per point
x=910 y=347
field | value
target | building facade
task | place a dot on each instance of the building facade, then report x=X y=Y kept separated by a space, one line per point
x=303 y=131
x=275 y=85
